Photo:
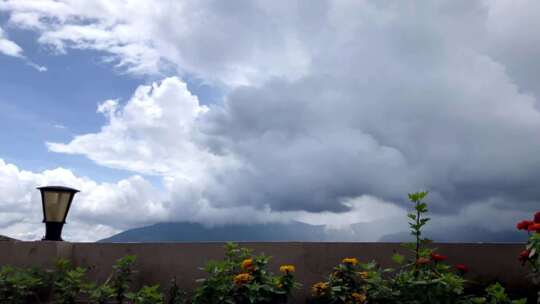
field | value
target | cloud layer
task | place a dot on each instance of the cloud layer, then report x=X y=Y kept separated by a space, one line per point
x=326 y=103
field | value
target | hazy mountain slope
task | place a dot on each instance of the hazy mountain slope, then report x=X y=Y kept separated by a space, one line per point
x=295 y=231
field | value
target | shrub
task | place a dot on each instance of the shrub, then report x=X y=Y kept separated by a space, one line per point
x=426 y=278
x=122 y=277
x=68 y=282
x=146 y=295
x=353 y=282
x=530 y=256
x=100 y=294
x=176 y=296
x=17 y=285
x=242 y=278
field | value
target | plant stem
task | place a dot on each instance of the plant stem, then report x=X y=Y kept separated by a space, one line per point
x=417 y=231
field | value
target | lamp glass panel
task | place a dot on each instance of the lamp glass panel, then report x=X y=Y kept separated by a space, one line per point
x=56 y=204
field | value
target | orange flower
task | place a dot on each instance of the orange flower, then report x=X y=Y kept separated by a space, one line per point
x=363 y=274
x=319 y=288
x=350 y=261
x=358 y=297
x=247 y=264
x=287 y=269
x=242 y=278
x=422 y=261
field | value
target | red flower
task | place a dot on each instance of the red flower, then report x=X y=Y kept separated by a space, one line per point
x=524 y=256
x=462 y=268
x=523 y=225
x=537 y=217
x=438 y=257
x=534 y=227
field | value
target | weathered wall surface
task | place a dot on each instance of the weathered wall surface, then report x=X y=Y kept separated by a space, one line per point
x=158 y=263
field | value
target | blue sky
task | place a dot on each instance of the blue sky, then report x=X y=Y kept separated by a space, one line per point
x=55 y=105
x=317 y=111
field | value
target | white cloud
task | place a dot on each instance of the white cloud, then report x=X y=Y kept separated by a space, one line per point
x=8 y=47
x=155 y=132
x=326 y=102
x=98 y=211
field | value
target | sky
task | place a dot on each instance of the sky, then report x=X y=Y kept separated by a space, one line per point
x=219 y=112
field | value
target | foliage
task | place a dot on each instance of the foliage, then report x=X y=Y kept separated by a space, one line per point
x=146 y=295
x=495 y=294
x=68 y=282
x=353 y=282
x=531 y=255
x=100 y=294
x=122 y=277
x=176 y=296
x=18 y=285
x=242 y=278
x=426 y=278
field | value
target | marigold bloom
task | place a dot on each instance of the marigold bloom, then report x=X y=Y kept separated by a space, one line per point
x=242 y=278
x=350 y=261
x=537 y=217
x=462 y=268
x=287 y=269
x=319 y=288
x=247 y=264
x=358 y=297
x=422 y=261
x=524 y=225
x=363 y=274
x=438 y=257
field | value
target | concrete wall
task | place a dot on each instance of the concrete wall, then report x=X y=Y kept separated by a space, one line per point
x=159 y=262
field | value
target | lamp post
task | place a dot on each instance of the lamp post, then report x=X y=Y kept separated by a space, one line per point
x=56 y=201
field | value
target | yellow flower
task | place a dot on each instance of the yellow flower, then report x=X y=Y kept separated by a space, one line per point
x=350 y=261
x=358 y=297
x=247 y=264
x=287 y=268
x=319 y=288
x=242 y=278
x=363 y=274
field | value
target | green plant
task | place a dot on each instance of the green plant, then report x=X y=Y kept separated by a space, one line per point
x=146 y=295
x=353 y=282
x=242 y=278
x=176 y=296
x=495 y=294
x=68 y=282
x=531 y=255
x=100 y=294
x=17 y=286
x=122 y=277
x=426 y=278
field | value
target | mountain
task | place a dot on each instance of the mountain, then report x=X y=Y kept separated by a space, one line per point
x=194 y=232
x=296 y=231
x=466 y=234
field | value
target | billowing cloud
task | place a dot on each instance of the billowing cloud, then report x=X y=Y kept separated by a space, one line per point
x=94 y=213
x=325 y=103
